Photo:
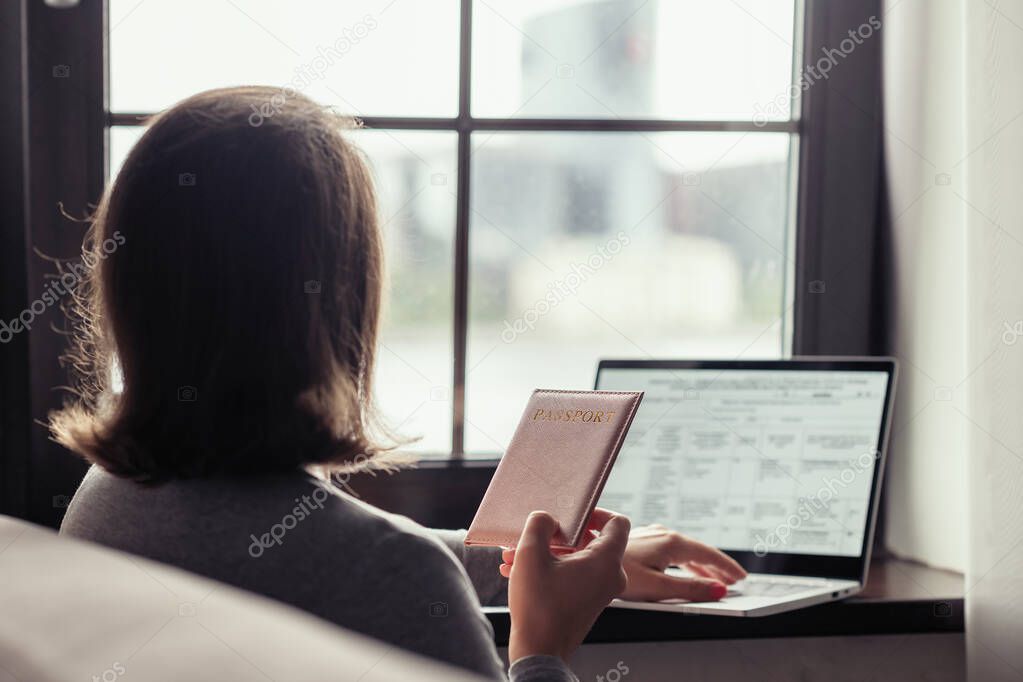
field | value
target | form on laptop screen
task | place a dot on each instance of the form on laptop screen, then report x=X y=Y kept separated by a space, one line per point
x=754 y=460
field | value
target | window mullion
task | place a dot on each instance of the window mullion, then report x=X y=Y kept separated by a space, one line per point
x=461 y=281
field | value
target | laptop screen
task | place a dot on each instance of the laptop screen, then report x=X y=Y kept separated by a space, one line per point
x=767 y=460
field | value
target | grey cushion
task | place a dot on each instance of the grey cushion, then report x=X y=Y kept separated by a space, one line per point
x=73 y=610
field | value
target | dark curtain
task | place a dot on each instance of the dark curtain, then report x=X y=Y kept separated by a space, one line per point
x=841 y=257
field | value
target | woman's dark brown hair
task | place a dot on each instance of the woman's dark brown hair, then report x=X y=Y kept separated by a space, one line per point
x=241 y=304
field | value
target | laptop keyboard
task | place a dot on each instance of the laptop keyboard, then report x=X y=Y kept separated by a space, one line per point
x=771 y=587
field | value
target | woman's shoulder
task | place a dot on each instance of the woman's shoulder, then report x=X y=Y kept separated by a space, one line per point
x=294 y=539
x=334 y=519
x=242 y=517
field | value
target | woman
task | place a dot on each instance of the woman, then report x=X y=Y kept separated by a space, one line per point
x=240 y=311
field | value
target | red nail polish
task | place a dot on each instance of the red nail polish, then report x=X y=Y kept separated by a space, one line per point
x=717 y=591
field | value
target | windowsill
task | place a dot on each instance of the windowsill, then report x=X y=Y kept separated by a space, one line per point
x=901 y=597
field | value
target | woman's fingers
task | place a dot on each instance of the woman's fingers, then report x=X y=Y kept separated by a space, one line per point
x=666 y=586
x=711 y=572
x=534 y=543
x=508 y=555
x=598 y=519
x=587 y=537
x=688 y=551
x=676 y=549
x=614 y=533
x=649 y=530
x=699 y=570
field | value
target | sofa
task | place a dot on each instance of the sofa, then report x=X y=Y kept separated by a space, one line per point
x=72 y=610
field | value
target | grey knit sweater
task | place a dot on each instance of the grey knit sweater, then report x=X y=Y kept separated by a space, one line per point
x=289 y=538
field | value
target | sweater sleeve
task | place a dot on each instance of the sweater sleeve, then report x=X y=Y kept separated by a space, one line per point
x=540 y=669
x=481 y=564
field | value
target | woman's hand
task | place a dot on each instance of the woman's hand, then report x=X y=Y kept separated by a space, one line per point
x=654 y=548
x=555 y=599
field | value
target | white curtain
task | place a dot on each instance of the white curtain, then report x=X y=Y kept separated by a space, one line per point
x=993 y=57
x=954 y=140
x=924 y=145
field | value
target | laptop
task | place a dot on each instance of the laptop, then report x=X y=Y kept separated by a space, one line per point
x=777 y=463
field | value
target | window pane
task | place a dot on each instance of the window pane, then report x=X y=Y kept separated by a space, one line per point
x=122 y=139
x=416 y=178
x=591 y=245
x=416 y=175
x=340 y=53
x=689 y=59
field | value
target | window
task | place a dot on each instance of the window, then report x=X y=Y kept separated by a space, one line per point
x=561 y=180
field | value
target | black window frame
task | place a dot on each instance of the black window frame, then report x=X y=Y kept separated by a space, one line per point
x=59 y=135
x=464 y=124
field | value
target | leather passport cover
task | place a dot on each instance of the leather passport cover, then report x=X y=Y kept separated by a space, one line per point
x=557 y=462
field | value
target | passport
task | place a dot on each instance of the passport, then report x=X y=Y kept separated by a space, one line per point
x=557 y=461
